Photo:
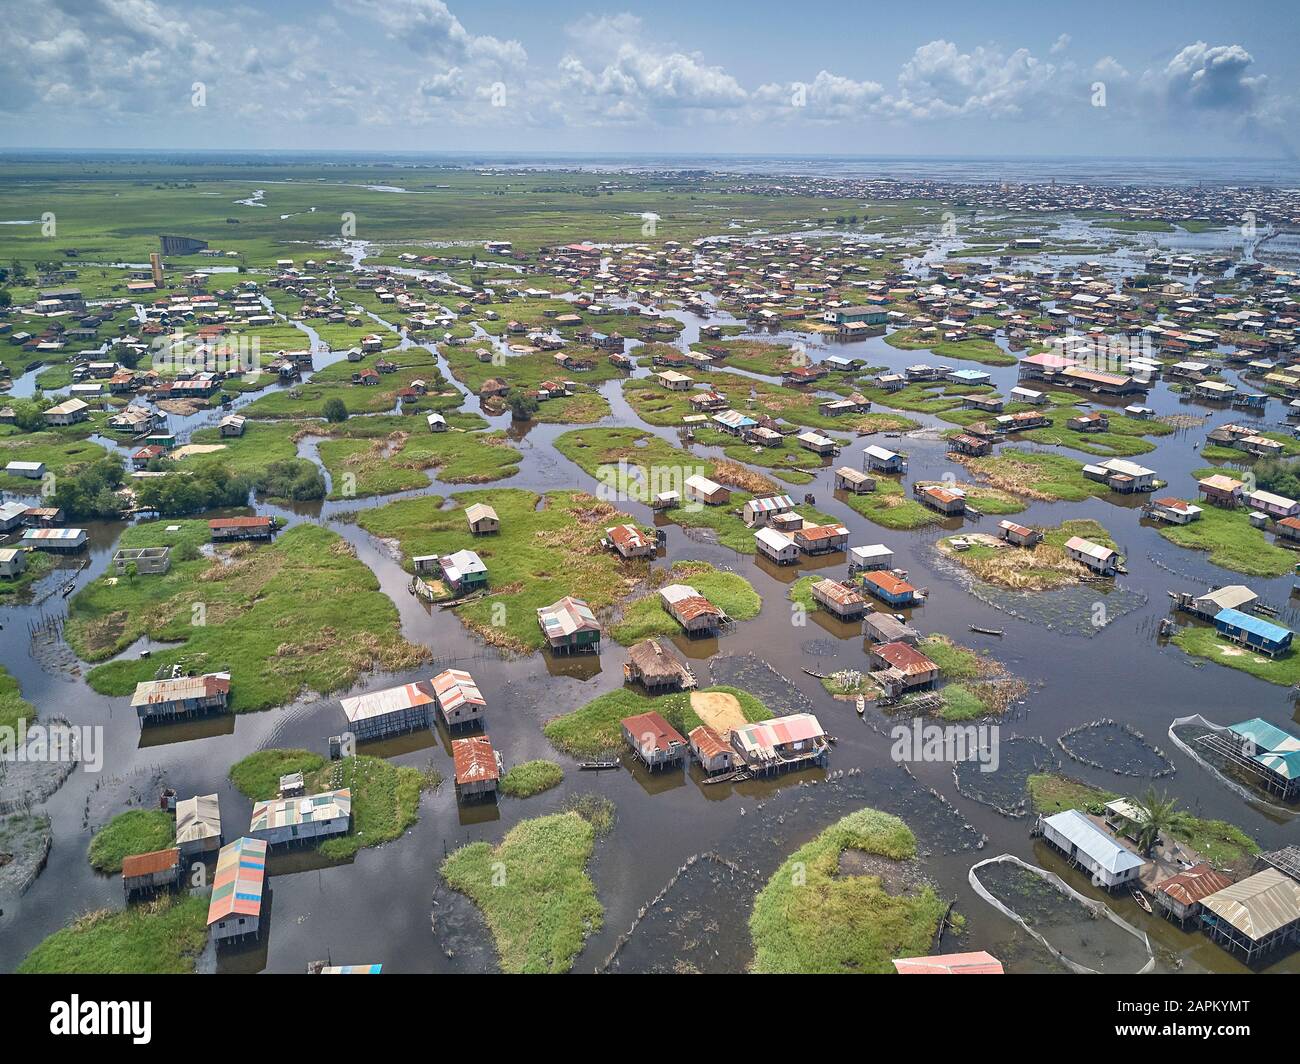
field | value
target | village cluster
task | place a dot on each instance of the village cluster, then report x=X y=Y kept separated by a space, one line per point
x=172 y=375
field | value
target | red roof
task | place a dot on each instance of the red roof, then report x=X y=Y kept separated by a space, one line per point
x=980 y=963
x=146 y=864
x=651 y=726
x=904 y=657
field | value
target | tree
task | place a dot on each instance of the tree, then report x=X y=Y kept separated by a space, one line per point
x=335 y=410
x=522 y=405
x=1161 y=815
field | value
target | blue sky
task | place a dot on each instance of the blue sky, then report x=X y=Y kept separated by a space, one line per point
x=1103 y=78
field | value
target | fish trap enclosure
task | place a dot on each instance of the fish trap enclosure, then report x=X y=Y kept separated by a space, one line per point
x=1007 y=789
x=1114 y=746
x=1082 y=934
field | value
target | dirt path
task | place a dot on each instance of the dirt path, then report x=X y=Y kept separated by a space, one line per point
x=719 y=710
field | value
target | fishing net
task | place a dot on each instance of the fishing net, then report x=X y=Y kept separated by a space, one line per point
x=1095 y=910
x=1208 y=726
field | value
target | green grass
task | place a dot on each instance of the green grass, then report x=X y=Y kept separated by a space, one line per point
x=548 y=547
x=730 y=592
x=13 y=707
x=531 y=777
x=18 y=588
x=1205 y=642
x=1124 y=438
x=973 y=350
x=1052 y=793
x=811 y=918
x=1232 y=542
x=302 y=614
x=891 y=507
x=1217 y=841
x=132 y=832
x=385 y=800
x=1045 y=477
x=163 y=937
x=595 y=727
x=383 y=466
x=61 y=453
x=533 y=890
x=258 y=775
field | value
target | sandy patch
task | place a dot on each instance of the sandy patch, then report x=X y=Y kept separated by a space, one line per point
x=197 y=448
x=719 y=710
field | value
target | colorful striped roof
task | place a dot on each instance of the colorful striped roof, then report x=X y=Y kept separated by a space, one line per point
x=241 y=875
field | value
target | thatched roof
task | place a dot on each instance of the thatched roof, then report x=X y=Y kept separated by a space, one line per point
x=655 y=665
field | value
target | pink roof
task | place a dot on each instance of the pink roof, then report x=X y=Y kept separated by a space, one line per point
x=980 y=963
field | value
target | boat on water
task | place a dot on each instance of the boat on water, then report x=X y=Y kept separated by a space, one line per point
x=861 y=706
x=1141 y=899
x=597 y=766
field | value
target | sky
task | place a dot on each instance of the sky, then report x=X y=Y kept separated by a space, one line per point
x=1192 y=78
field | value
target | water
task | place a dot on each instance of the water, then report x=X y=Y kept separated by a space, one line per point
x=387 y=904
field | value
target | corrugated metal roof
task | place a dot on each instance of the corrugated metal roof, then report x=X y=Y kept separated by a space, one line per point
x=475 y=760
x=1259 y=904
x=284 y=812
x=198 y=818
x=1248 y=622
x=390 y=700
x=980 y=963
x=155 y=692
x=240 y=877
x=1083 y=833
x=645 y=727
x=146 y=864
x=456 y=688
x=1191 y=886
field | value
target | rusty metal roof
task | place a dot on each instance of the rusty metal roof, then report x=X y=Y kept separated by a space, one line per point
x=146 y=864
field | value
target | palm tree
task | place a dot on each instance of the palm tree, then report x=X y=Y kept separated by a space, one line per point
x=1161 y=814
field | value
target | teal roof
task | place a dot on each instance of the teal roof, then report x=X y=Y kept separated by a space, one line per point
x=1267 y=737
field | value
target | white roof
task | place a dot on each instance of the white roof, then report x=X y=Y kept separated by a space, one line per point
x=872 y=550
x=773 y=539
x=198 y=818
x=880 y=453
x=1105 y=851
x=1088 y=547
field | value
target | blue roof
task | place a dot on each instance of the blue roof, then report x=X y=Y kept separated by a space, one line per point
x=1274 y=633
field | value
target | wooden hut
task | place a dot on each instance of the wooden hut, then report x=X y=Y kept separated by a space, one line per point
x=652 y=665
x=477 y=767
x=147 y=873
x=656 y=742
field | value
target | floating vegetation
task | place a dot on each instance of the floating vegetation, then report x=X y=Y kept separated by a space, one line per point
x=1125 y=749
x=1005 y=790
x=751 y=673
x=1074 y=928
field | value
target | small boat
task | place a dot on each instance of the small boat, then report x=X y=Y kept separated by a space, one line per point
x=1141 y=899
x=597 y=766
x=986 y=631
x=861 y=706
x=69 y=588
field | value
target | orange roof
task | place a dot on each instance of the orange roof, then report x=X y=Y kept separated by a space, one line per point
x=815 y=532
x=146 y=864
x=980 y=963
x=887 y=582
x=708 y=742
